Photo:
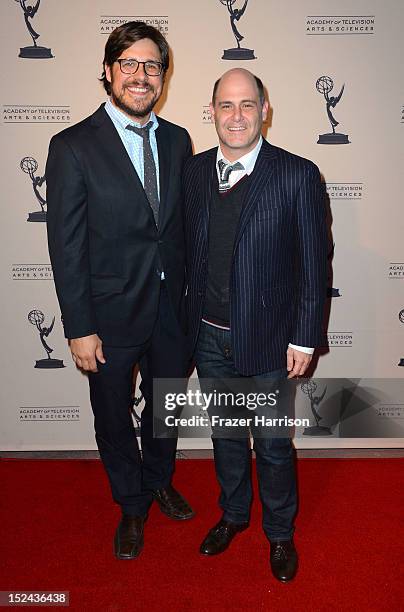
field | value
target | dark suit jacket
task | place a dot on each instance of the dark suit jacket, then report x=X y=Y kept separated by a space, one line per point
x=278 y=273
x=105 y=249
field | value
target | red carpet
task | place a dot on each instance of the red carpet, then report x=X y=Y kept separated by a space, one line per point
x=57 y=524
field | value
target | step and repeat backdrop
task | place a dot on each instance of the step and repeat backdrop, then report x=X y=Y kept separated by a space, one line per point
x=333 y=72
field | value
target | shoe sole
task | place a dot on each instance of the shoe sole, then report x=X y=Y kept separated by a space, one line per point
x=171 y=516
x=176 y=518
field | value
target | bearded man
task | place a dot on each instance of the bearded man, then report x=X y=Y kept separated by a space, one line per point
x=116 y=246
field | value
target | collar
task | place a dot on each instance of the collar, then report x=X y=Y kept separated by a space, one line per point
x=248 y=160
x=118 y=117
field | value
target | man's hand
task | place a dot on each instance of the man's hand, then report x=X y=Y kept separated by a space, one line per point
x=85 y=351
x=297 y=362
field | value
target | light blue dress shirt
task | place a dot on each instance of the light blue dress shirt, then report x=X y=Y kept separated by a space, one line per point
x=132 y=142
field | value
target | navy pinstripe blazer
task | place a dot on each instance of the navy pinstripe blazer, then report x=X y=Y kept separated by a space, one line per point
x=278 y=272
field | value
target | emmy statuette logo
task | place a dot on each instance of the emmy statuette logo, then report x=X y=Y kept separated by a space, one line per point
x=236 y=53
x=324 y=85
x=401 y=319
x=33 y=51
x=309 y=388
x=29 y=165
x=37 y=318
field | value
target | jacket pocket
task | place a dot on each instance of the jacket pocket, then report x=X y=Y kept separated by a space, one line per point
x=107 y=285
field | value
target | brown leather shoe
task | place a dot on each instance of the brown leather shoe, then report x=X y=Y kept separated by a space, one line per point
x=128 y=541
x=220 y=536
x=283 y=560
x=173 y=504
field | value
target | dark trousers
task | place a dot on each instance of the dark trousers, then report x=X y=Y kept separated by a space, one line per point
x=275 y=455
x=132 y=477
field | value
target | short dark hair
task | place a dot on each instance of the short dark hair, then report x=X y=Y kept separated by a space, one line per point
x=125 y=36
x=258 y=82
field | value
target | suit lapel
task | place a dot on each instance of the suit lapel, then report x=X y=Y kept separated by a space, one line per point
x=263 y=169
x=207 y=182
x=118 y=155
x=163 y=147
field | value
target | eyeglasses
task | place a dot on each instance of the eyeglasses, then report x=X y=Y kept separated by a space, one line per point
x=130 y=66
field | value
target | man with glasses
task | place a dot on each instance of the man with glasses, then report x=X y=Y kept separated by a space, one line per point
x=116 y=245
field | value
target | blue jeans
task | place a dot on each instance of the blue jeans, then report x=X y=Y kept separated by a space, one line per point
x=275 y=456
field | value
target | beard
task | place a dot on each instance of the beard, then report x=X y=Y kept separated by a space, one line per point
x=138 y=109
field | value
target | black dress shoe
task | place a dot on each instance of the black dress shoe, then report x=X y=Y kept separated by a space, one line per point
x=220 y=536
x=173 y=504
x=283 y=560
x=128 y=541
